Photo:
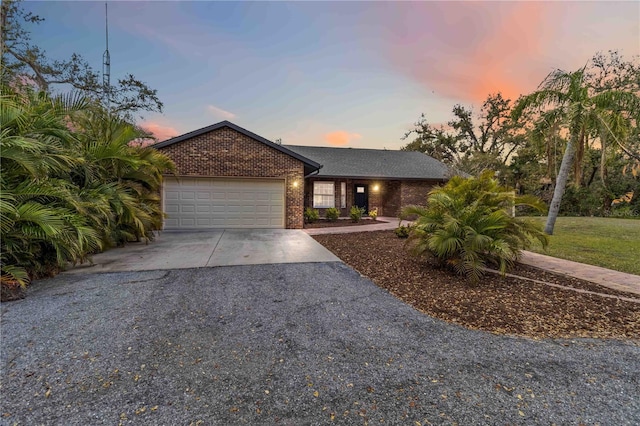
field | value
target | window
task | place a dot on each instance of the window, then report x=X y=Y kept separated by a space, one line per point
x=343 y=195
x=324 y=194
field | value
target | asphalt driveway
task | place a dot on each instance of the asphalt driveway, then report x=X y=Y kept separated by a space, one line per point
x=292 y=344
x=206 y=248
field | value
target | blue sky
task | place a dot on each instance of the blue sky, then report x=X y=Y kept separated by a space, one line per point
x=332 y=73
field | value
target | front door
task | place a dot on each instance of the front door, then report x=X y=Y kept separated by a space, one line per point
x=361 y=196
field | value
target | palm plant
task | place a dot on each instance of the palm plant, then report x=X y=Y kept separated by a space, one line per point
x=40 y=229
x=467 y=225
x=582 y=110
x=126 y=175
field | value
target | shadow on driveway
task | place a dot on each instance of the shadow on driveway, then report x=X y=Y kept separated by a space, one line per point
x=293 y=344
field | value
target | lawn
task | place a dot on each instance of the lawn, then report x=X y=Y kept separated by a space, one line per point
x=610 y=243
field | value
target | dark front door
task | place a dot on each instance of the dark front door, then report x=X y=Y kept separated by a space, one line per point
x=361 y=196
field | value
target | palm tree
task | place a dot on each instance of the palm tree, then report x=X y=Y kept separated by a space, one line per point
x=40 y=229
x=467 y=225
x=125 y=174
x=582 y=111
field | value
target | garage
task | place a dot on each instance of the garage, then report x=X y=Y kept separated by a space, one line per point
x=205 y=203
x=224 y=176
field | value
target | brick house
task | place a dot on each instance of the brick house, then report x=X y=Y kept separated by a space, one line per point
x=229 y=177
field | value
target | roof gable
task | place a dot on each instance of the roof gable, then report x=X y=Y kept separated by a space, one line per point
x=374 y=163
x=309 y=164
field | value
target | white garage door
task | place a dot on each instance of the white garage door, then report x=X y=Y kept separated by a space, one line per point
x=199 y=203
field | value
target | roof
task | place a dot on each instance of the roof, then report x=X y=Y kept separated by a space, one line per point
x=309 y=165
x=373 y=163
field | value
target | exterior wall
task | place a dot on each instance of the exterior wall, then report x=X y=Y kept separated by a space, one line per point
x=415 y=192
x=227 y=153
x=390 y=198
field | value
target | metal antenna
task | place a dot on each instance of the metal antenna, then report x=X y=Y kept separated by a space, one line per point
x=106 y=62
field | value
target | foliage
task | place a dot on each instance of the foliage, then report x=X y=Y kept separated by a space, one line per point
x=578 y=201
x=582 y=111
x=466 y=225
x=468 y=145
x=311 y=215
x=373 y=214
x=65 y=194
x=624 y=211
x=355 y=213
x=25 y=63
x=607 y=242
x=403 y=231
x=332 y=214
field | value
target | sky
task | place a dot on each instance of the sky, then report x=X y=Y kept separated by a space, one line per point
x=346 y=74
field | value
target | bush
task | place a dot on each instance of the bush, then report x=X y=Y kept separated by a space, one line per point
x=373 y=214
x=332 y=214
x=402 y=231
x=356 y=213
x=467 y=226
x=580 y=201
x=311 y=215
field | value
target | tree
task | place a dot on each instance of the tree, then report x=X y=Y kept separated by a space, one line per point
x=466 y=225
x=25 y=63
x=40 y=227
x=582 y=110
x=72 y=183
x=468 y=146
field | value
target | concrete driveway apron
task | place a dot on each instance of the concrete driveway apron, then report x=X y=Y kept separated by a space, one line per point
x=196 y=249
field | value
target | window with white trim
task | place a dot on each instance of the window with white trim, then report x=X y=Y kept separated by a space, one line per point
x=343 y=195
x=324 y=195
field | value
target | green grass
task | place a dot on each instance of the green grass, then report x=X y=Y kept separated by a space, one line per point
x=610 y=243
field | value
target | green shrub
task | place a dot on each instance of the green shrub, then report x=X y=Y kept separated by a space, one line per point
x=332 y=214
x=624 y=211
x=467 y=226
x=402 y=231
x=580 y=201
x=311 y=215
x=356 y=213
x=373 y=214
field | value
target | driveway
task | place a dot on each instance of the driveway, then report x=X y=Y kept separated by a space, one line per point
x=289 y=344
x=197 y=249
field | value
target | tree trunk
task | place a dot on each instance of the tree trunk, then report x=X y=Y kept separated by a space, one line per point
x=579 y=159
x=561 y=183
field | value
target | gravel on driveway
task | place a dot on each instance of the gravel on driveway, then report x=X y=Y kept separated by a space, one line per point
x=290 y=344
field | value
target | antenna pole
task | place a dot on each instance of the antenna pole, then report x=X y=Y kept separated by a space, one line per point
x=106 y=63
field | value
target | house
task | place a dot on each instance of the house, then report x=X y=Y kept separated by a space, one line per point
x=386 y=180
x=229 y=177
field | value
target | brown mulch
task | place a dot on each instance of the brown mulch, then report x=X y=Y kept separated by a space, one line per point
x=340 y=223
x=504 y=305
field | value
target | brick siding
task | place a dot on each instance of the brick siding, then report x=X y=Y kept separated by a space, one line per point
x=415 y=192
x=227 y=153
x=390 y=198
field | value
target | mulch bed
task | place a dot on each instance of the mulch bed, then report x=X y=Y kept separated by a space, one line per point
x=503 y=305
x=340 y=223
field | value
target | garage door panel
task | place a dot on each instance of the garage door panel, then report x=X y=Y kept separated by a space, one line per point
x=223 y=203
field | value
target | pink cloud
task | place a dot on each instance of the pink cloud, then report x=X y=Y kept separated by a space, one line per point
x=340 y=138
x=467 y=50
x=221 y=113
x=161 y=132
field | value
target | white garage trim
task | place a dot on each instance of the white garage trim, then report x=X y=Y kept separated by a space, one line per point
x=205 y=203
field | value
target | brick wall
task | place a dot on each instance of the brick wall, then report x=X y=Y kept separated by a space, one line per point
x=227 y=153
x=391 y=198
x=415 y=192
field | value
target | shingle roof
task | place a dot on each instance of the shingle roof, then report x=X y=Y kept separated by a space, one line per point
x=309 y=164
x=373 y=163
